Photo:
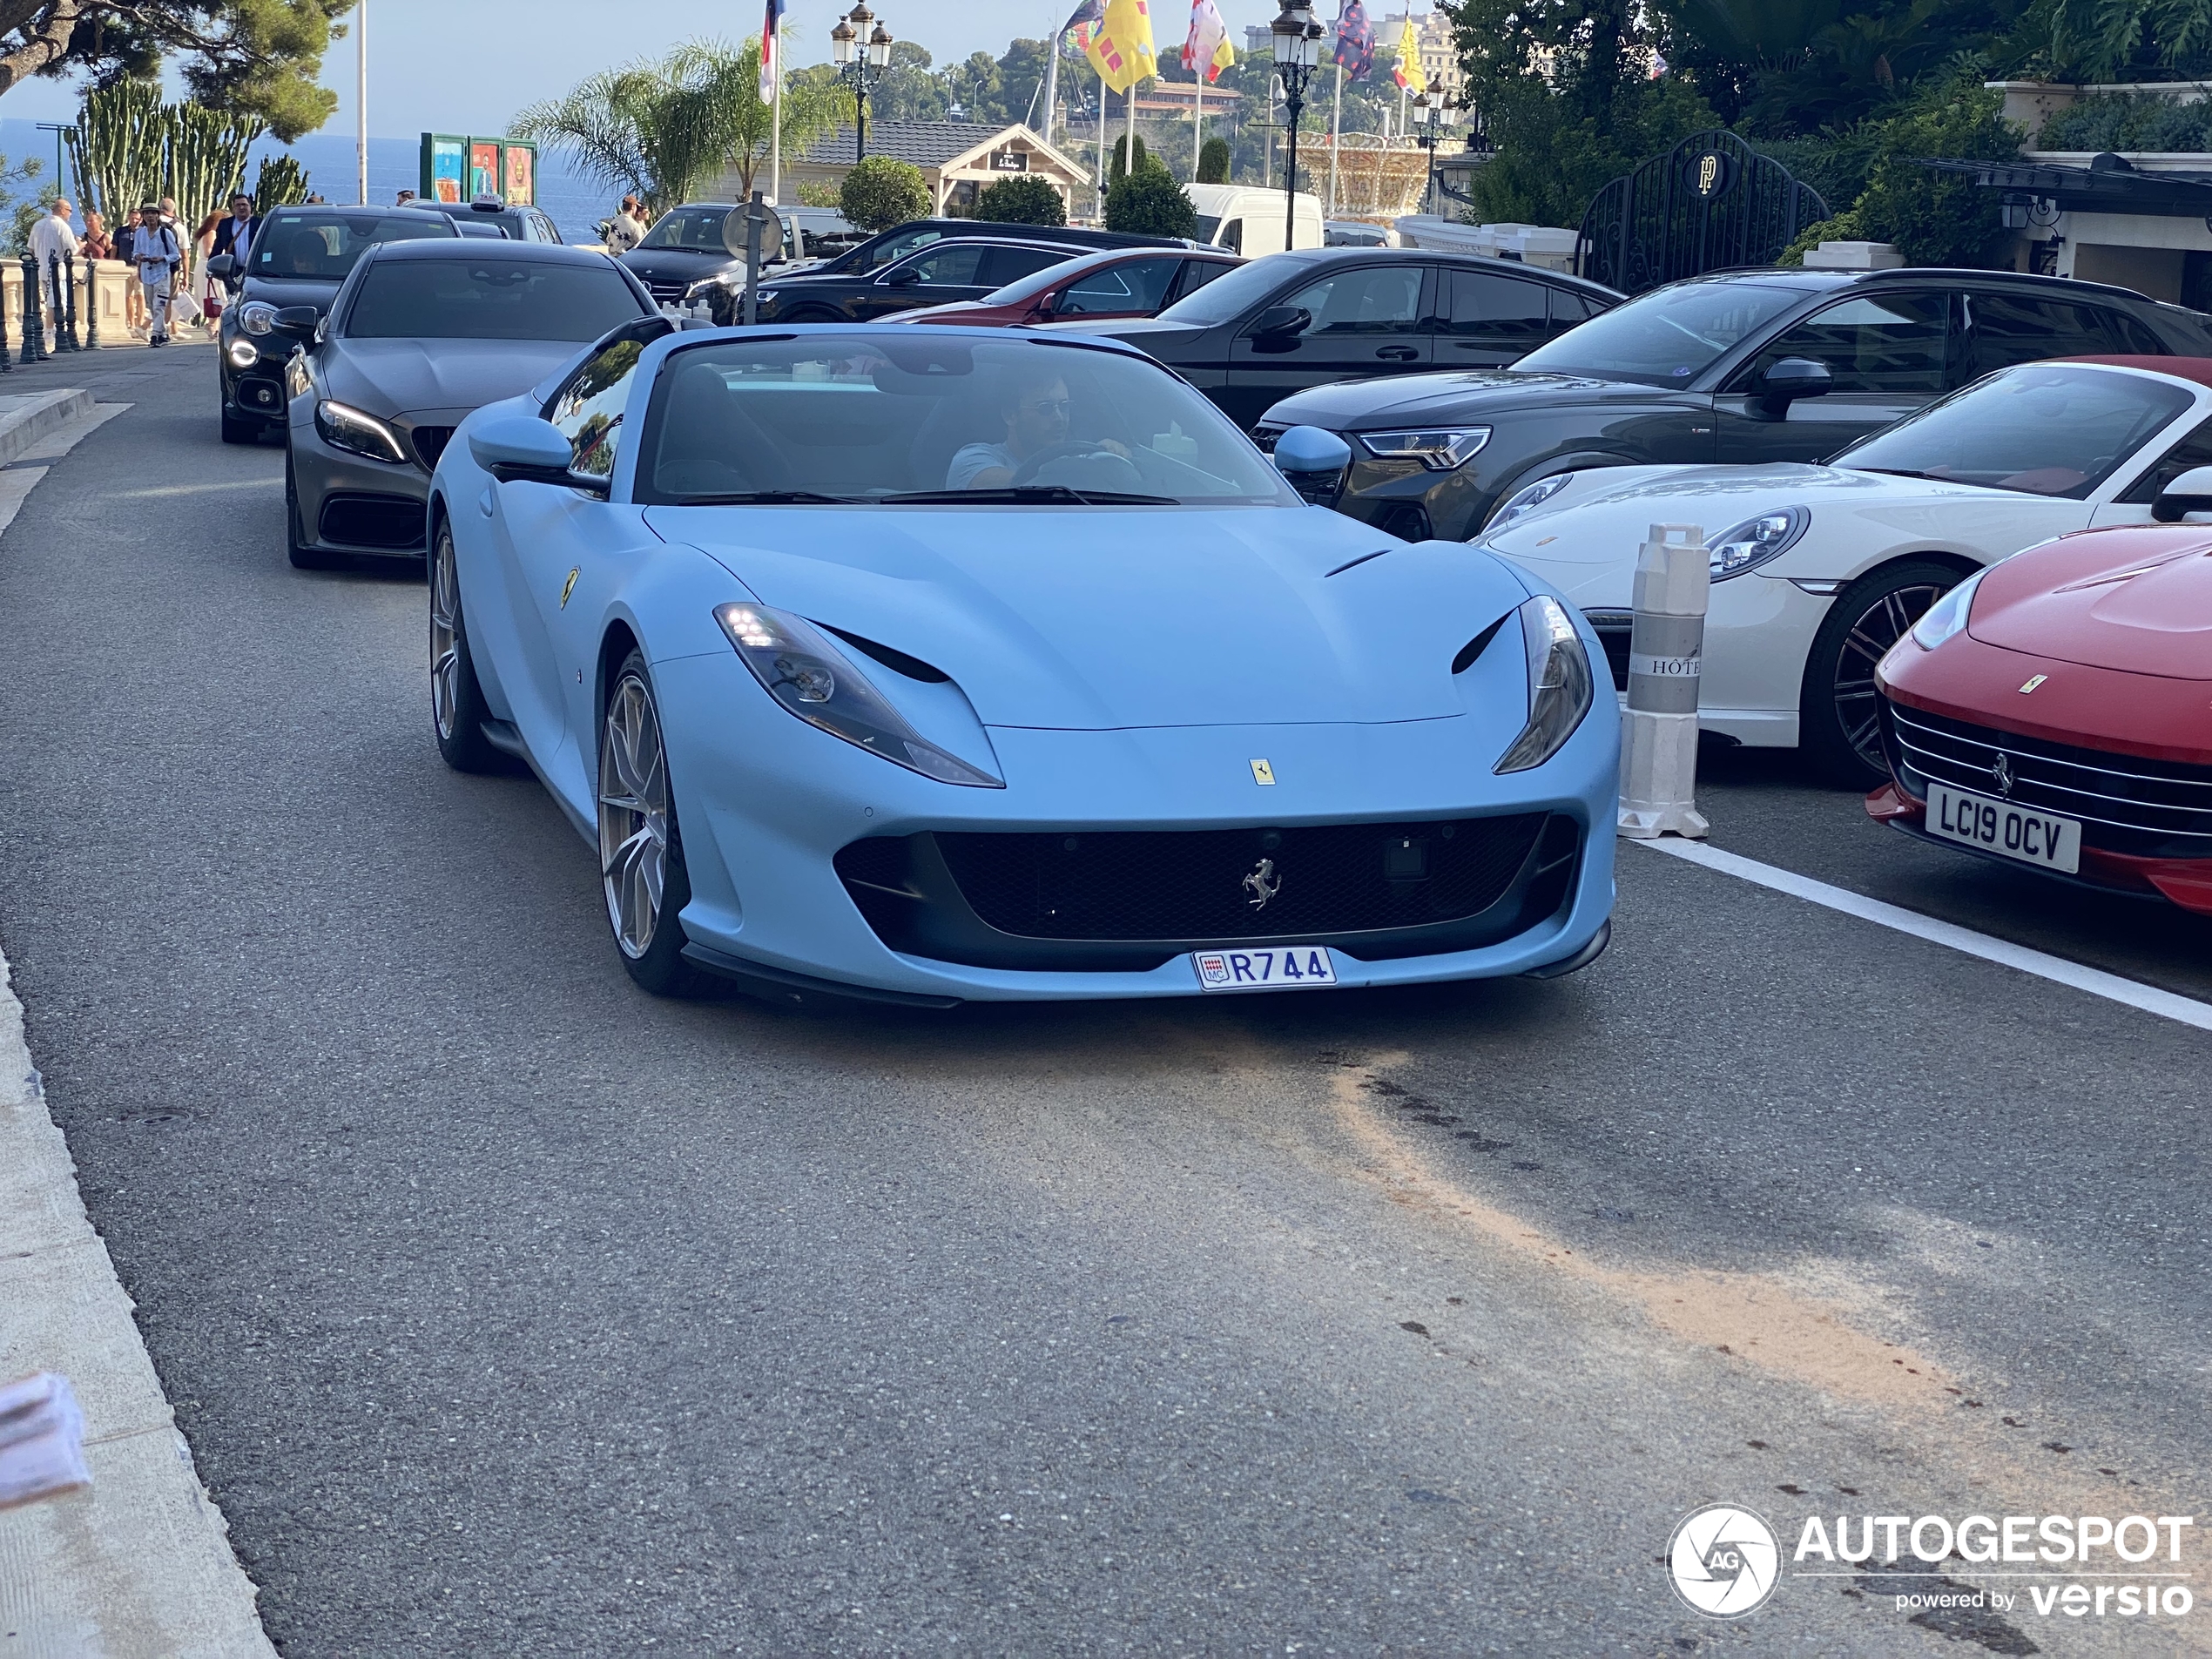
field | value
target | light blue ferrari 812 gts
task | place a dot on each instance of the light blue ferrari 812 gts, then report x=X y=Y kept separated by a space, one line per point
x=990 y=666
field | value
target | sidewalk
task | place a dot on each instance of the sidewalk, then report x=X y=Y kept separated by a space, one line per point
x=109 y=373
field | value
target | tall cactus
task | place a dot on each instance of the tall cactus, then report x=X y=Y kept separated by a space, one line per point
x=118 y=149
x=206 y=158
x=282 y=182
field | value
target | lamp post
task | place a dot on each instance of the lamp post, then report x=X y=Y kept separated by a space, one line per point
x=1435 y=115
x=860 y=48
x=1298 y=53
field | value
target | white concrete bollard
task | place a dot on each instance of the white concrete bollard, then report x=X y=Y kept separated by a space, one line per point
x=1666 y=647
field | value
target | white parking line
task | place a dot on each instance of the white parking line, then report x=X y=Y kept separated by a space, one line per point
x=2096 y=982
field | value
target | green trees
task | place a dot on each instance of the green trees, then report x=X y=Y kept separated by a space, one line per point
x=129 y=147
x=1213 y=162
x=665 y=129
x=257 y=59
x=281 y=182
x=1021 y=199
x=882 y=191
x=1147 y=201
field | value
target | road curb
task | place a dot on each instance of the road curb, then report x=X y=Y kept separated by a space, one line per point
x=38 y=414
x=141 y=1567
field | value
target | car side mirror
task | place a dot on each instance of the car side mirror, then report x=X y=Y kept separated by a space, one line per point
x=1791 y=378
x=1313 y=462
x=905 y=278
x=222 y=267
x=2190 y=492
x=523 y=449
x=298 y=320
x=1281 y=322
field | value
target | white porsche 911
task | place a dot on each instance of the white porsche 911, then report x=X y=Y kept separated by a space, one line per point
x=1817 y=571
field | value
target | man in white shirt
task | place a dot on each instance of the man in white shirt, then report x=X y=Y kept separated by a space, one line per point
x=627 y=228
x=52 y=239
x=157 y=255
x=1035 y=408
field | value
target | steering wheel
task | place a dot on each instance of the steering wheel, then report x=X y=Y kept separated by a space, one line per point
x=1074 y=449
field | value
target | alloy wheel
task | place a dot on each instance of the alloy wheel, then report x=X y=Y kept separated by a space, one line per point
x=1872 y=632
x=445 y=645
x=633 y=814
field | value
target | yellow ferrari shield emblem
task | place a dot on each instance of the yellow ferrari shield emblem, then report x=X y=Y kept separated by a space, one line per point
x=1262 y=773
x=568 y=587
x=2032 y=682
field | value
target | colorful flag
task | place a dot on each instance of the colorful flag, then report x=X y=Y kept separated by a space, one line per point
x=1083 y=22
x=1408 y=73
x=1355 y=41
x=771 y=56
x=1121 y=46
x=1207 y=51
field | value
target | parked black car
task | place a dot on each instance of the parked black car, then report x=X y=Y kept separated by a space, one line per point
x=943 y=273
x=1291 y=320
x=292 y=273
x=516 y=224
x=1732 y=367
x=855 y=268
x=684 y=247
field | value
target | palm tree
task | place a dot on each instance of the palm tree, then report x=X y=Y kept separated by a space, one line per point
x=666 y=129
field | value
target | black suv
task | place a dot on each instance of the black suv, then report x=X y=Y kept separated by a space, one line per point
x=947 y=273
x=291 y=274
x=1287 y=321
x=1731 y=366
x=849 y=286
x=517 y=223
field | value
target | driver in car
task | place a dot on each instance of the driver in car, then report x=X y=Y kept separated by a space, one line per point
x=1036 y=412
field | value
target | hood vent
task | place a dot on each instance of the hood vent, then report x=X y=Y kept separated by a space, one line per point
x=1476 y=646
x=897 y=661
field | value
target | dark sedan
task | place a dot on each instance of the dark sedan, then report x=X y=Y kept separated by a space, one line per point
x=292 y=273
x=1738 y=366
x=1291 y=320
x=422 y=334
x=519 y=223
x=1116 y=283
x=956 y=268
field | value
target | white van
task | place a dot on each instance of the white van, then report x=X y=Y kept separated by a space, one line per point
x=1249 y=220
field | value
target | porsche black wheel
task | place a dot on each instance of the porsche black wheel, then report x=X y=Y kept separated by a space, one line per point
x=1838 y=713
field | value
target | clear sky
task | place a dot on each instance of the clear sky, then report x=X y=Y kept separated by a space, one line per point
x=465 y=65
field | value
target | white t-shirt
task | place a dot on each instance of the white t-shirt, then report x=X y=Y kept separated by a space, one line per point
x=52 y=238
x=624 y=233
x=977 y=457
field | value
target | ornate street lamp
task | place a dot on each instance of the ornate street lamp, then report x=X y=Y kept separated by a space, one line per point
x=861 y=54
x=1435 y=115
x=1298 y=53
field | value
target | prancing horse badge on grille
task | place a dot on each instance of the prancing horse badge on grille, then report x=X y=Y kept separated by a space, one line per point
x=1263 y=883
x=2002 y=771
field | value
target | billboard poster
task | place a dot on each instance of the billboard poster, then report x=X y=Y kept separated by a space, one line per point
x=444 y=167
x=483 y=167
x=522 y=175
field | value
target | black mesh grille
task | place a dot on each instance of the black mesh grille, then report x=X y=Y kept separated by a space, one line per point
x=2145 y=808
x=393 y=521
x=1203 y=884
x=430 y=442
x=1615 y=629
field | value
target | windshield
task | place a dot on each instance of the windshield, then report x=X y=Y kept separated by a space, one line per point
x=851 y=419
x=2044 y=430
x=1667 y=337
x=324 y=247
x=488 y=299
x=698 y=229
x=1234 y=294
x=1036 y=282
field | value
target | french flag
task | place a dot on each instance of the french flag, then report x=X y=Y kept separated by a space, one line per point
x=772 y=55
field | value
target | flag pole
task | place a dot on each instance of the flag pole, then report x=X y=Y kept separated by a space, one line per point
x=1336 y=132
x=1198 y=120
x=1051 y=81
x=776 y=122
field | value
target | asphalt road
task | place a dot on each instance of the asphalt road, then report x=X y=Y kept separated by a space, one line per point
x=509 y=1311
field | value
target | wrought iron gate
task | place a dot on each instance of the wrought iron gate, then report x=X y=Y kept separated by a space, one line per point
x=1710 y=202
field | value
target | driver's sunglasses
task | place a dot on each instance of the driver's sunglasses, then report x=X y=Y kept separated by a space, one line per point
x=1047 y=406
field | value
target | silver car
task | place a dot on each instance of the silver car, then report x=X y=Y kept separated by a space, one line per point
x=421 y=333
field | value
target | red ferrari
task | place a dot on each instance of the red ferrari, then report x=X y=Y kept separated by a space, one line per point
x=2055 y=710
x=1119 y=282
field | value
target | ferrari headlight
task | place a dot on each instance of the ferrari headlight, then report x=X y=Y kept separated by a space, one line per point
x=1439 y=451
x=343 y=426
x=799 y=665
x=1948 y=615
x=1756 y=540
x=1528 y=500
x=258 y=317
x=1559 y=685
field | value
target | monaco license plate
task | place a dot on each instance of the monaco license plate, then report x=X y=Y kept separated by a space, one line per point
x=2006 y=828
x=1281 y=967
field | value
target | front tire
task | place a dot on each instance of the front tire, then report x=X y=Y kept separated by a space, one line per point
x=1839 y=712
x=457 y=706
x=641 y=855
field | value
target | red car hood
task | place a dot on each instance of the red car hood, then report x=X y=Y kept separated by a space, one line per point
x=2135 y=600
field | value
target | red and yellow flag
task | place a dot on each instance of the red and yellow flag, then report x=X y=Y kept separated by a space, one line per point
x=1120 y=48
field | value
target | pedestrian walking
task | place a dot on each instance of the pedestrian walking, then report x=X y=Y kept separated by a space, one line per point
x=158 y=257
x=234 y=236
x=52 y=239
x=206 y=292
x=96 y=244
x=627 y=228
x=134 y=298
